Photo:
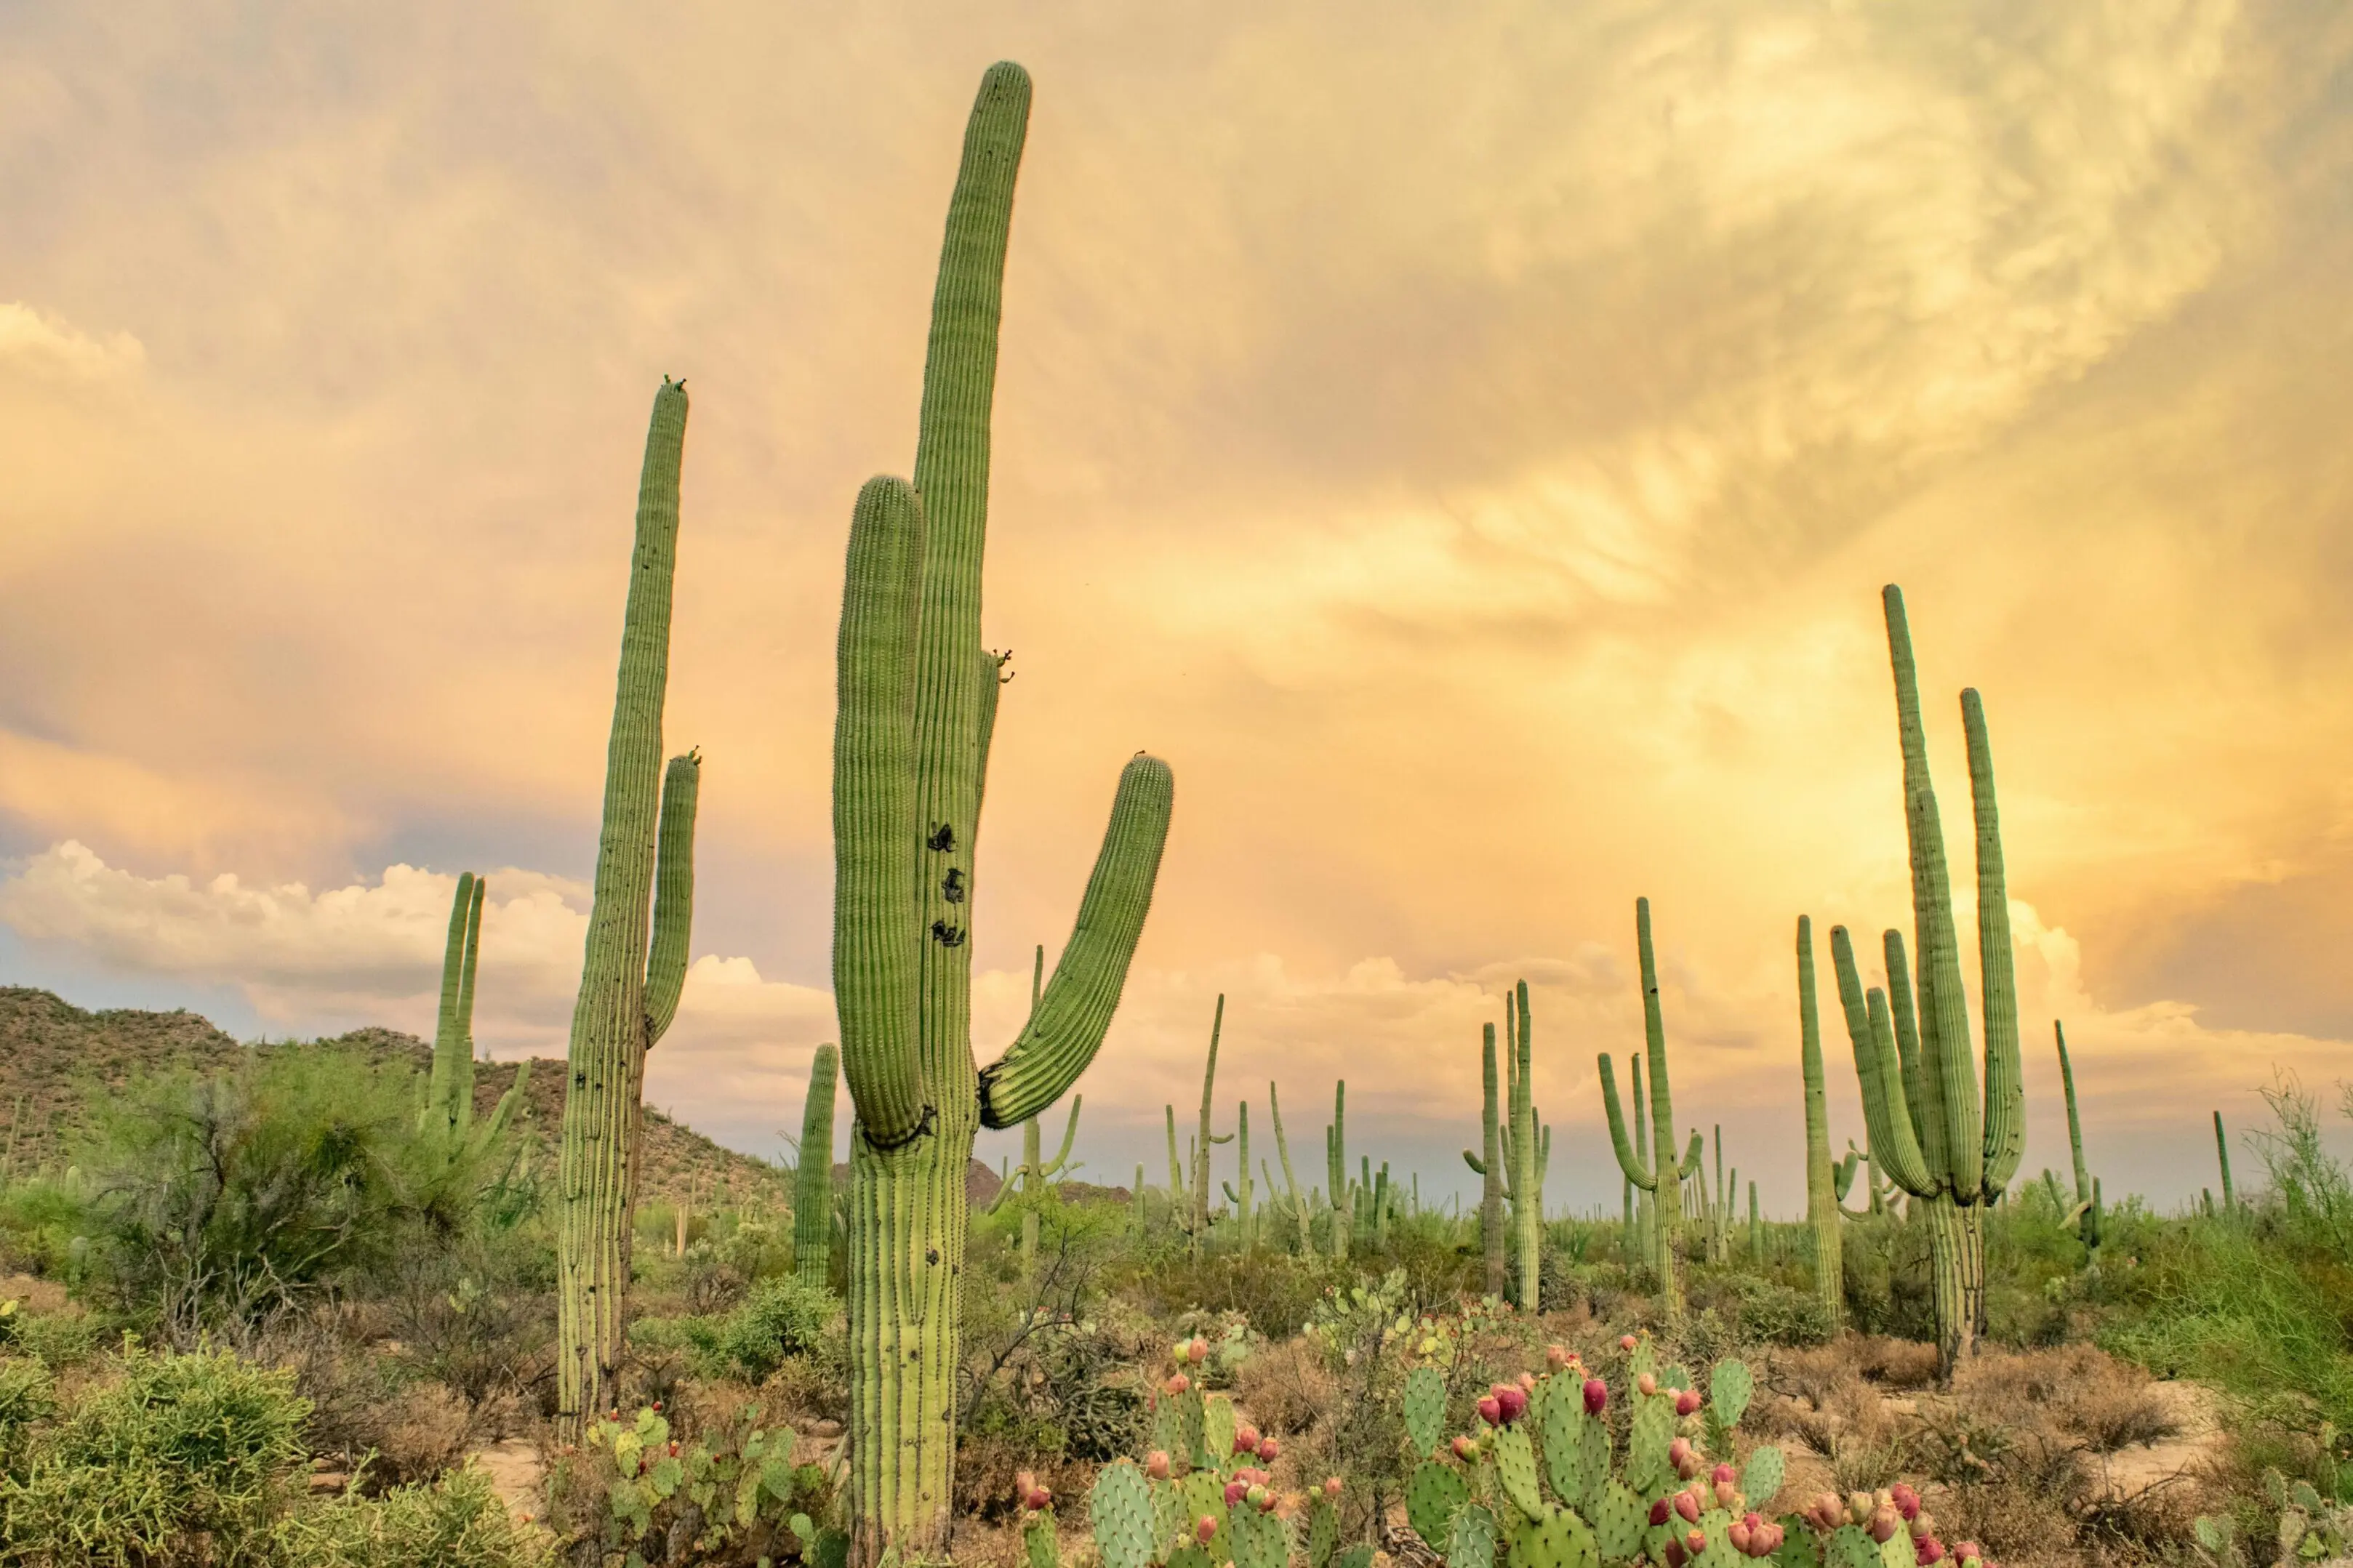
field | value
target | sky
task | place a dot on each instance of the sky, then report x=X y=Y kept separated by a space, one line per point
x=1466 y=442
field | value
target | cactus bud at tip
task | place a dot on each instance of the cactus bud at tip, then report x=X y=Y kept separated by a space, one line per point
x=1688 y=1506
x=1659 y=1511
x=1234 y=1491
x=1464 y=1448
x=1331 y=1486
x=1198 y=1351
x=1179 y=1383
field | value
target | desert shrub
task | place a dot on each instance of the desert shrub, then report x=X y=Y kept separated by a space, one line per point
x=1779 y=1315
x=1276 y=1291
x=56 y=1339
x=781 y=1317
x=730 y=1490
x=455 y=1522
x=174 y=1450
x=27 y=1398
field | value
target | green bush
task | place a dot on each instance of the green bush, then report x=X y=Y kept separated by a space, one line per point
x=27 y=1398
x=56 y=1339
x=455 y=1522
x=176 y=1450
x=781 y=1316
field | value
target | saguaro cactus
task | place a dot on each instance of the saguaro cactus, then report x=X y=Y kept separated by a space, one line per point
x=1242 y=1197
x=449 y=1088
x=2086 y=1212
x=1526 y=1150
x=1821 y=1181
x=1207 y=1140
x=1336 y=1164
x=917 y=703
x=1489 y=1164
x=1661 y=1178
x=1951 y=1152
x=2222 y=1154
x=1290 y=1180
x=813 y=1182
x=635 y=966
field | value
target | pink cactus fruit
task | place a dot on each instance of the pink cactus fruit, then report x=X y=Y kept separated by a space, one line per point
x=1659 y=1511
x=1514 y=1402
x=1884 y=1524
x=1179 y=1383
x=1527 y=1380
x=1928 y=1550
x=1688 y=1506
x=1737 y=1534
x=1674 y=1554
x=1597 y=1396
x=1205 y=1528
x=1907 y=1501
x=1491 y=1411
x=1245 y=1440
x=1256 y=1495
x=1626 y=1342
x=1156 y=1464
x=1197 y=1351
x=1678 y=1450
x=1269 y=1449
x=1694 y=1541
x=1332 y=1485
x=1648 y=1383
x=1465 y=1448
x=1235 y=1489
x=1723 y=1473
x=1687 y=1402
x=1040 y=1498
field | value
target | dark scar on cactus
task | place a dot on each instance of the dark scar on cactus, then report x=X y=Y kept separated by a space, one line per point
x=946 y=935
x=942 y=837
x=952 y=884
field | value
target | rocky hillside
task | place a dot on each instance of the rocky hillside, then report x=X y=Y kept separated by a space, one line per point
x=53 y=1053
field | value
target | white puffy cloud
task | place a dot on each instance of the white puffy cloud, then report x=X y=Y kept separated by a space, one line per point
x=43 y=347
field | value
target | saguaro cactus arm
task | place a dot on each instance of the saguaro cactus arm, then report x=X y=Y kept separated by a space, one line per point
x=673 y=894
x=2005 y=1089
x=813 y=1182
x=2222 y=1154
x=1068 y=1026
x=1637 y=1170
x=2074 y=1123
x=1879 y=1072
x=1070 y=1136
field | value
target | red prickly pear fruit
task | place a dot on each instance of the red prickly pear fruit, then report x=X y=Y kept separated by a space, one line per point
x=1921 y=1526
x=1198 y=1351
x=1514 y=1403
x=1597 y=1396
x=1674 y=1554
x=1331 y=1486
x=1691 y=1466
x=1245 y=1440
x=1025 y=1481
x=1464 y=1448
x=1883 y=1525
x=1659 y=1511
x=1965 y=1553
x=1725 y=1492
x=1205 y=1528
x=1928 y=1550
x=1752 y=1518
x=658 y=1405
x=1040 y=1498
x=1179 y=1383
x=1648 y=1383
x=1678 y=1450
x=1527 y=1382
x=1738 y=1535
x=1555 y=1357
x=1626 y=1342
x=1688 y=1506
x=1156 y=1464
x=1234 y=1491
x=1687 y=1402
x=1694 y=1541
x=1907 y=1501
x=1491 y=1411
x=1269 y=1449
x=1723 y=1473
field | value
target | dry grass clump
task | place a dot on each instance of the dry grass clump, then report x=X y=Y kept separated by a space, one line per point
x=2086 y=1394
x=1285 y=1387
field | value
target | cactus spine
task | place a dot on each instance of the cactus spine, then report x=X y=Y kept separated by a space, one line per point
x=449 y=1088
x=1489 y=1164
x=1661 y=1179
x=635 y=966
x=917 y=703
x=813 y=1182
x=1822 y=1179
x=1202 y=1144
x=1939 y=1142
x=2222 y=1153
x=2086 y=1212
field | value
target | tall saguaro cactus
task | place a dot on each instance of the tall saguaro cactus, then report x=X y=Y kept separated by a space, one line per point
x=1952 y=1151
x=2086 y=1212
x=449 y=1088
x=1526 y=1150
x=1207 y=1140
x=1335 y=1169
x=813 y=1182
x=635 y=966
x=1489 y=1164
x=1661 y=1177
x=2222 y=1154
x=1299 y=1206
x=1822 y=1178
x=917 y=702
x=1242 y=1195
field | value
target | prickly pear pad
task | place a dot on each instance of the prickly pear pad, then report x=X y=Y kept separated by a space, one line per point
x=1038 y=1538
x=1516 y=1469
x=1619 y=1522
x=1646 y=1446
x=1121 y=1507
x=1192 y=1554
x=1205 y=1494
x=1216 y=1429
x=1728 y=1390
x=1169 y=1518
x=1431 y=1497
x=1470 y=1539
x=1849 y=1547
x=1323 y=1532
x=1259 y=1540
x=1760 y=1478
x=1425 y=1411
x=1555 y=1539
x=1594 y=1463
x=1564 y=1449
x=1720 y=1553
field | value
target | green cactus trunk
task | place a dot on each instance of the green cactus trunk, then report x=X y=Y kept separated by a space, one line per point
x=449 y=1088
x=1642 y=1199
x=1494 y=1245
x=635 y=966
x=1244 y=1195
x=2087 y=1206
x=1660 y=1176
x=1336 y=1160
x=914 y=716
x=813 y=1182
x=1525 y=1151
x=1822 y=1215
x=1299 y=1208
x=1756 y=1229
x=2222 y=1154
x=1206 y=1140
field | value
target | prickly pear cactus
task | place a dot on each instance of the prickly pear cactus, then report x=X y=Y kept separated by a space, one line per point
x=1189 y=1423
x=1645 y=1357
x=1121 y=1507
x=1168 y=1428
x=1647 y=1441
x=1676 y=1375
x=1259 y=1539
x=1203 y=1492
x=1516 y=1469
x=1849 y=1547
x=1433 y=1494
x=1564 y=1449
x=1359 y=1556
x=1192 y=1554
x=1425 y=1410
x=1618 y=1521
x=1719 y=1553
x=1728 y=1389
x=1760 y=1478
x=1323 y=1532
x=1470 y=1538
x=1557 y=1539
x=1168 y=1517
x=1037 y=1542
x=1217 y=1430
